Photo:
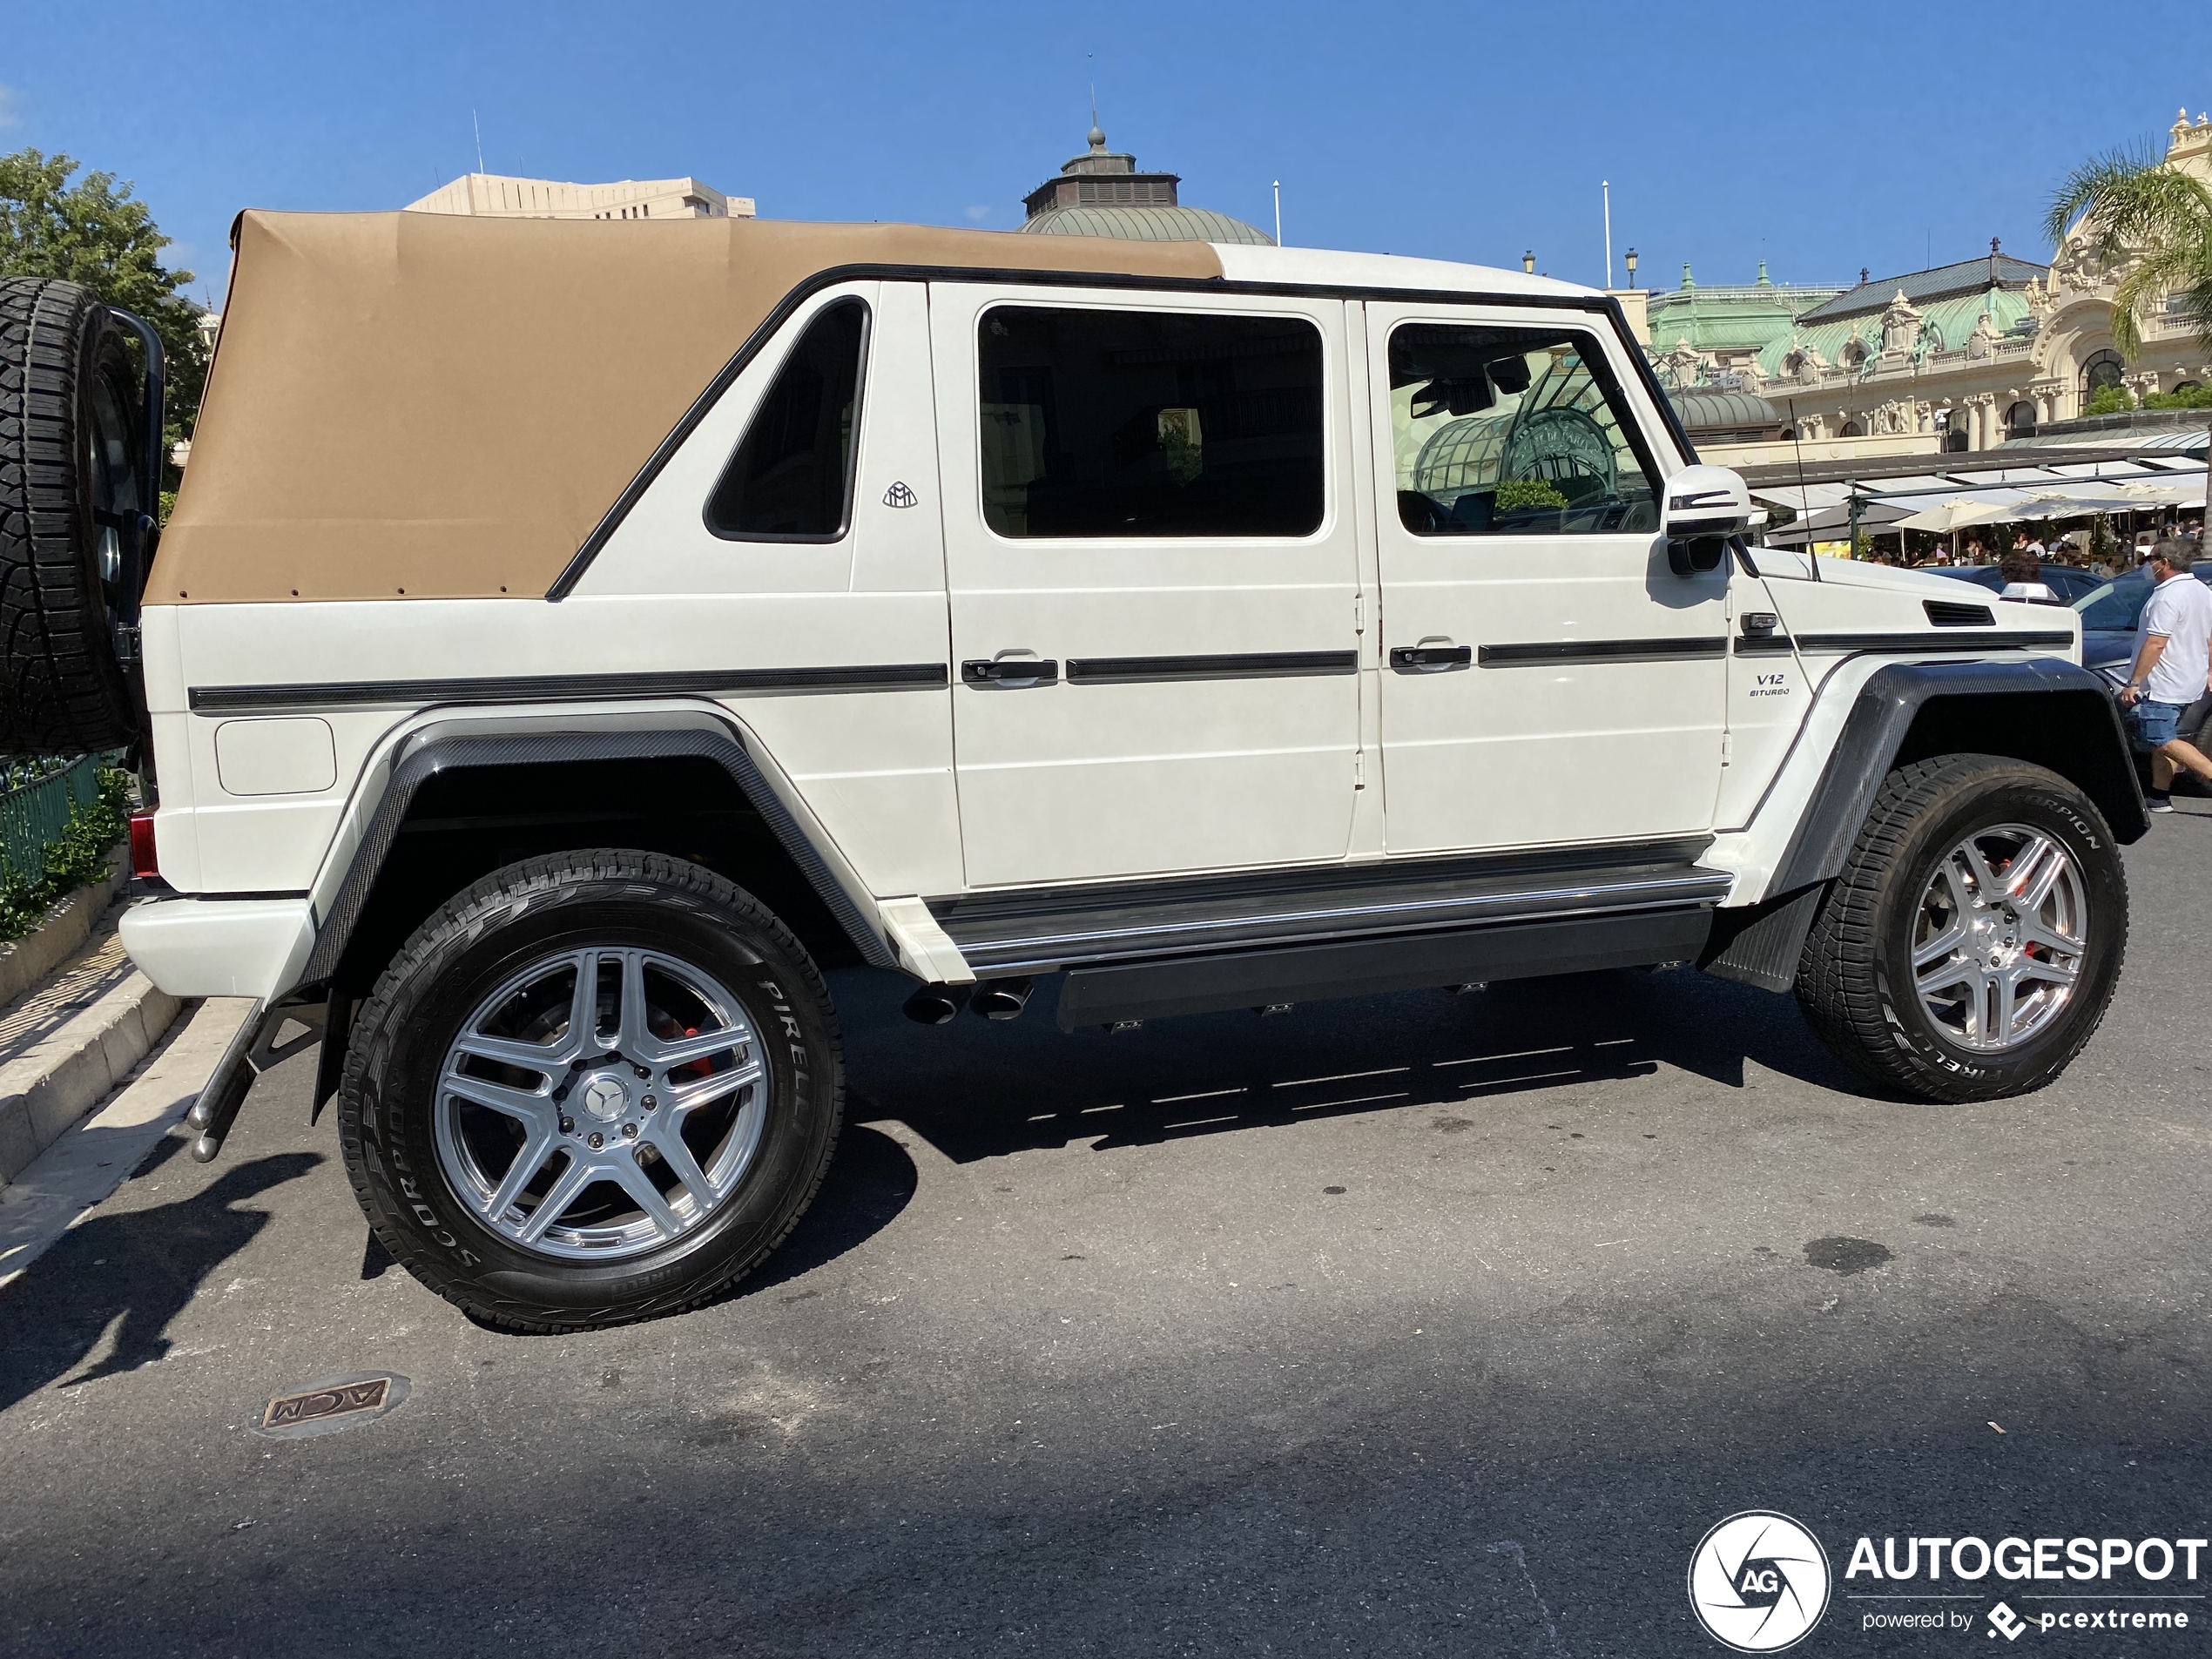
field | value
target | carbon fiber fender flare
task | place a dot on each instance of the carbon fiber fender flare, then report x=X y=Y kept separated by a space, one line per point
x=429 y=753
x=2045 y=711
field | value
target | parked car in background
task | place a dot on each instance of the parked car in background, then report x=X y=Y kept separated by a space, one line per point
x=2067 y=583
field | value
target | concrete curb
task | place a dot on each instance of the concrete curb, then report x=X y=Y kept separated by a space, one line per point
x=24 y=962
x=44 y=1091
x=94 y=1158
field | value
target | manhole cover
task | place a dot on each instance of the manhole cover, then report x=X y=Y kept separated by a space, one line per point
x=332 y=1404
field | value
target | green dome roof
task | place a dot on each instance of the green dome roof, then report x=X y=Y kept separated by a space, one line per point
x=1100 y=192
x=1147 y=225
x=1708 y=409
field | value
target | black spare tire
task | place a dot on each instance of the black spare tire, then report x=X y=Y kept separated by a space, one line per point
x=73 y=450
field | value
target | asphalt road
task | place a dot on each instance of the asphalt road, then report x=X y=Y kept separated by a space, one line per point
x=1418 y=1325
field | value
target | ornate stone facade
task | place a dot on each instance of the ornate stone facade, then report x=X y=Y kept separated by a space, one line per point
x=1707 y=332
x=1968 y=354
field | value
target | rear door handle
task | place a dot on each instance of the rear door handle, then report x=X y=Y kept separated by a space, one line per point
x=1408 y=660
x=1013 y=671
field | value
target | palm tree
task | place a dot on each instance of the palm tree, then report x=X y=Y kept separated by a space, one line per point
x=2157 y=217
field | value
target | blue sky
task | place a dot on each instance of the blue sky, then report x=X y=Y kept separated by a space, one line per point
x=1819 y=139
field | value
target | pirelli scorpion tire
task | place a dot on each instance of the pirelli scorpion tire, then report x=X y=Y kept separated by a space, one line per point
x=71 y=452
x=1970 y=947
x=594 y=1088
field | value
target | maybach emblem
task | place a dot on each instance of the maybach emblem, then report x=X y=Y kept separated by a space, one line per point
x=899 y=495
x=1758 y=1581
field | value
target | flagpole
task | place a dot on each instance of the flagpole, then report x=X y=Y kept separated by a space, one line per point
x=1606 y=185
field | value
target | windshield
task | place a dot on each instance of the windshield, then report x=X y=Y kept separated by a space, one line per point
x=2120 y=604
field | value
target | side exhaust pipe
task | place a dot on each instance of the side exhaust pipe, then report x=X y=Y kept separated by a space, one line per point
x=253 y=1049
x=1002 y=998
x=937 y=1004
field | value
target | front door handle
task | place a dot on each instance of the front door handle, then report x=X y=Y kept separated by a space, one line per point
x=1409 y=659
x=1009 y=671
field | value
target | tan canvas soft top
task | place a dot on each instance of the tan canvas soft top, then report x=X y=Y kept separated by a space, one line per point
x=443 y=407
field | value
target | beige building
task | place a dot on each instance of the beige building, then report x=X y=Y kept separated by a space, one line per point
x=2073 y=350
x=495 y=196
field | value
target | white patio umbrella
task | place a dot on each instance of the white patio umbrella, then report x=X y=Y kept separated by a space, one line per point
x=1957 y=512
x=2180 y=492
x=1833 y=523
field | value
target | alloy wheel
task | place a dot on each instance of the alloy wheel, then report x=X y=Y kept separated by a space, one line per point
x=601 y=1103
x=1999 y=936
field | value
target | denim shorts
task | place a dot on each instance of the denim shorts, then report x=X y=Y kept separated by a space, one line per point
x=2156 y=721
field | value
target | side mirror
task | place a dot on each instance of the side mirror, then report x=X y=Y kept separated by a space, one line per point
x=1704 y=507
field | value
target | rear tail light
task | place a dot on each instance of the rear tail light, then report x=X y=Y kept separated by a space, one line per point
x=143 y=860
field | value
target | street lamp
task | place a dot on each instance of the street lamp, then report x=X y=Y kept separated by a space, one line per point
x=1528 y=262
x=1632 y=268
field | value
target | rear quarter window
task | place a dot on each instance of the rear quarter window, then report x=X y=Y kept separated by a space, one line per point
x=790 y=478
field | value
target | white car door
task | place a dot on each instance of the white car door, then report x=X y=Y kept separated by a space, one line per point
x=1151 y=559
x=1546 y=677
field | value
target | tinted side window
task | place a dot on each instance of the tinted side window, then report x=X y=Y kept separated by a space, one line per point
x=1511 y=432
x=791 y=479
x=1137 y=423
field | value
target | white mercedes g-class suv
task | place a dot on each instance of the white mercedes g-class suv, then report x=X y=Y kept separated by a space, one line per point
x=571 y=637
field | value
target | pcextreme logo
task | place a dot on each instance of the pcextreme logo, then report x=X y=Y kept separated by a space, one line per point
x=1758 y=1581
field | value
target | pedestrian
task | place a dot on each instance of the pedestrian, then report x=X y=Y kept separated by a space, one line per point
x=2173 y=667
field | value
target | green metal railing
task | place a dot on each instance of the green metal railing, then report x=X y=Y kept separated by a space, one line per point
x=33 y=815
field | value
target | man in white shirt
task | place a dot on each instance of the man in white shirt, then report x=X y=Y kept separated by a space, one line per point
x=2173 y=667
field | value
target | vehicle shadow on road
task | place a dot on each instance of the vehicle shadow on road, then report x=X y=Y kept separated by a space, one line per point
x=870 y=1180
x=144 y=1266
x=977 y=1090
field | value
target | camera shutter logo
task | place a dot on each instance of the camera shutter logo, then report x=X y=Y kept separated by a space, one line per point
x=1758 y=1581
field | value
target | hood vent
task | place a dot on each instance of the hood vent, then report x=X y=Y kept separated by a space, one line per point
x=1947 y=613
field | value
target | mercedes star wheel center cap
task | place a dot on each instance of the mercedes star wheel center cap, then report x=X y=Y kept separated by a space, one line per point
x=605 y=1098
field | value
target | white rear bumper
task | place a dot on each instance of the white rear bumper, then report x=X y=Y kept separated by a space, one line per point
x=220 y=946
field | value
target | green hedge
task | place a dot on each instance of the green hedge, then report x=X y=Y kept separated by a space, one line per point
x=55 y=836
